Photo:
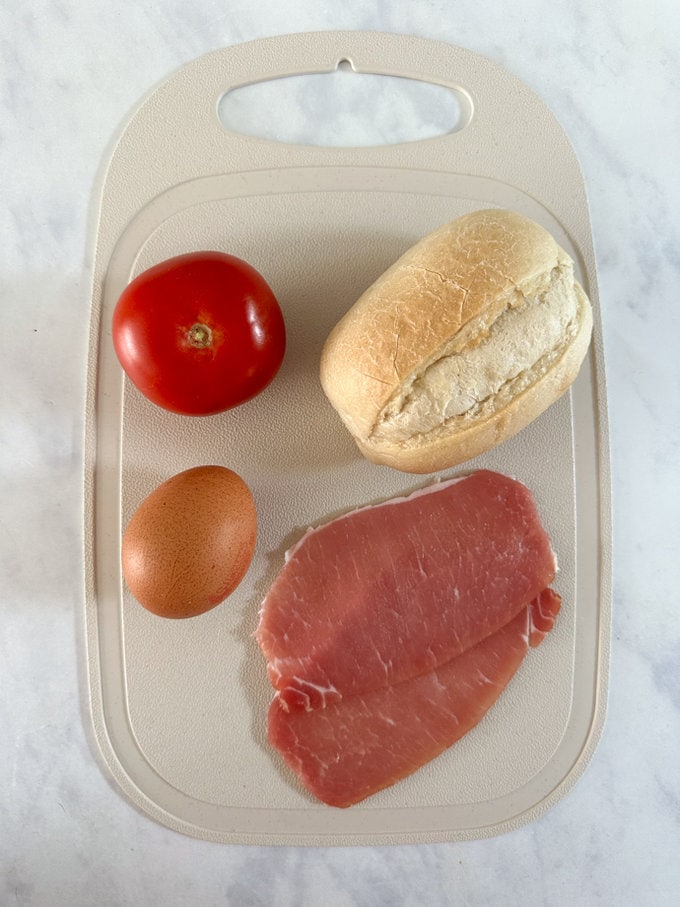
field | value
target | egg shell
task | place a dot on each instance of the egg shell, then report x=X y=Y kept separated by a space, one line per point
x=190 y=542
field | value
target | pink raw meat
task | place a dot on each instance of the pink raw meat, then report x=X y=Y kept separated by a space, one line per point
x=393 y=590
x=354 y=748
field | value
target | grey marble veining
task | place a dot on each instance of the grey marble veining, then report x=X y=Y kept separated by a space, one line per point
x=69 y=73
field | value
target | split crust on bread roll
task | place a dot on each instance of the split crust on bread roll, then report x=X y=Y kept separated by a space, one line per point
x=465 y=340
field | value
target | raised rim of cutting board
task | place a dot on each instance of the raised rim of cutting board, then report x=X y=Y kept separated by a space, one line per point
x=177 y=123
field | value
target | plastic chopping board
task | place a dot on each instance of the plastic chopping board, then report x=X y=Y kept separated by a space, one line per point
x=178 y=707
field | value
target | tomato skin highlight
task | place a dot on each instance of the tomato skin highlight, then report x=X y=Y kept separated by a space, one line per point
x=199 y=333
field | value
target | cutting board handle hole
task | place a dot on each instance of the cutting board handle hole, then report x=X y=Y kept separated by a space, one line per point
x=344 y=108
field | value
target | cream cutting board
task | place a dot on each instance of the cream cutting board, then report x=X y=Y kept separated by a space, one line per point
x=178 y=708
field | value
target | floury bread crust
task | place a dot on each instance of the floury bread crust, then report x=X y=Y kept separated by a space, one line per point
x=465 y=340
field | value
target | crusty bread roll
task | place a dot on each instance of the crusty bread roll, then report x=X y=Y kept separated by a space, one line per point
x=468 y=337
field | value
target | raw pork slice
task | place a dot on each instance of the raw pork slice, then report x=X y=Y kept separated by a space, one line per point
x=390 y=591
x=356 y=747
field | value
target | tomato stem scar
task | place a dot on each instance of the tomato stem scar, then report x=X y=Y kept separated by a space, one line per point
x=199 y=335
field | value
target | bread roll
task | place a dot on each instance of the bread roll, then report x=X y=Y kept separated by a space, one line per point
x=468 y=337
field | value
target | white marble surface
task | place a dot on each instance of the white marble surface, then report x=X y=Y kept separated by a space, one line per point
x=69 y=73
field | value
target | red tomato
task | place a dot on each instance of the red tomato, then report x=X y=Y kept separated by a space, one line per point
x=199 y=333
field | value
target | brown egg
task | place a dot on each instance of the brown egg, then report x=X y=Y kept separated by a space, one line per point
x=190 y=542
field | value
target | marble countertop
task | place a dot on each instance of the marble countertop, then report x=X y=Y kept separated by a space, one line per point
x=69 y=74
